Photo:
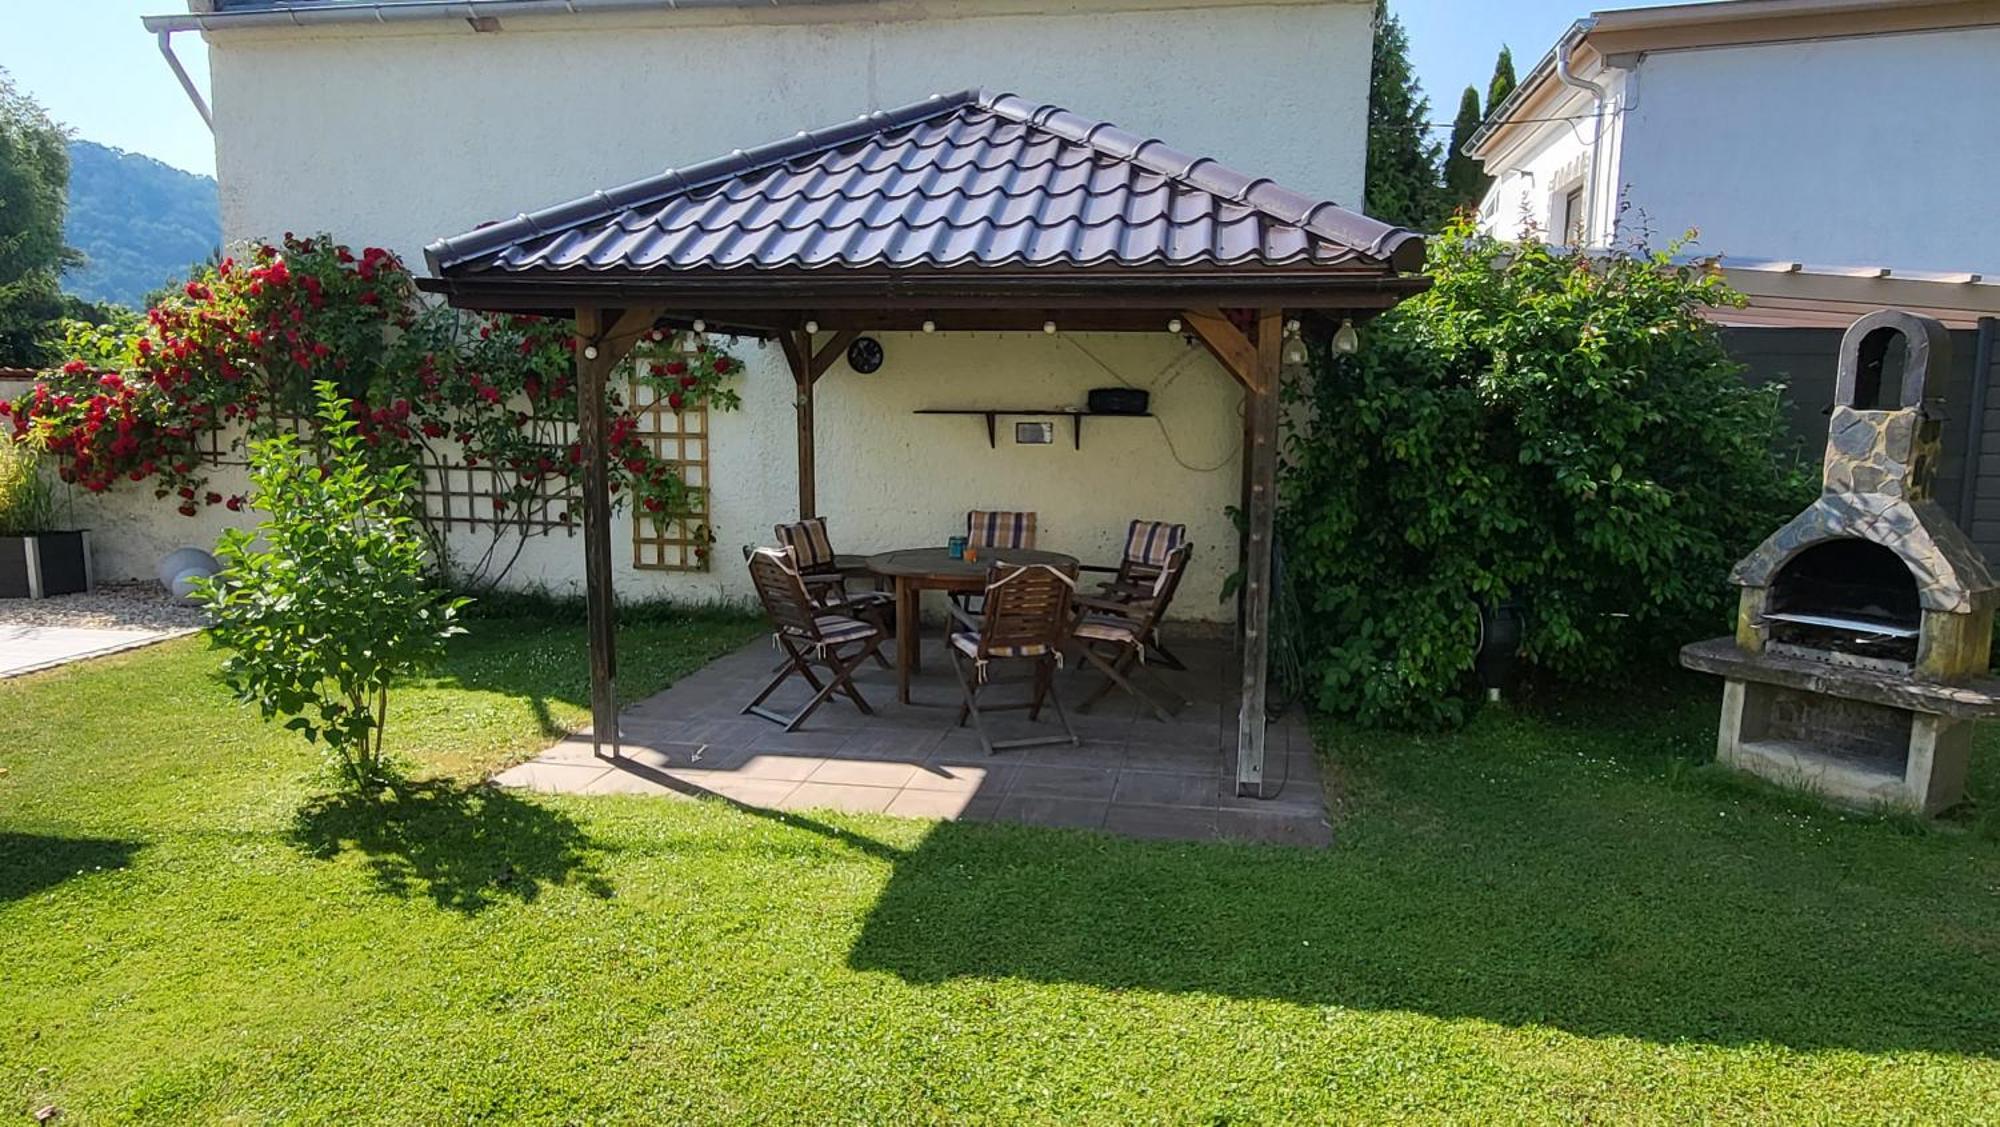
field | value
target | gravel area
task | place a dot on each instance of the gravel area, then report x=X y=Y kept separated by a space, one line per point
x=113 y=606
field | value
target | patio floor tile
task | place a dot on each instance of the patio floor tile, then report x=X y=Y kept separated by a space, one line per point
x=1131 y=774
x=842 y=797
x=864 y=772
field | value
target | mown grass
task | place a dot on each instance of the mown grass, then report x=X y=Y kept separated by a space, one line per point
x=1557 y=914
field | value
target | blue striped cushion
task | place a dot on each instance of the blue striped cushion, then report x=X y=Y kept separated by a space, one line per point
x=1000 y=529
x=1150 y=541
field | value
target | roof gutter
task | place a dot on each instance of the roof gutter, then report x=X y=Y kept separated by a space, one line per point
x=193 y=92
x=404 y=11
x=1565 y=56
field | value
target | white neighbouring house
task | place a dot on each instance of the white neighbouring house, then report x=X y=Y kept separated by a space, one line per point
x=397 y=123
x=1850 y=135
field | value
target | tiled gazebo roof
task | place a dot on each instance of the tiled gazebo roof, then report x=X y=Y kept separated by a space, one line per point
x=974 y=180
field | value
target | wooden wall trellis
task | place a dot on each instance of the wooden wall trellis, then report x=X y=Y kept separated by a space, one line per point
x=456 y=495
x=681 y=438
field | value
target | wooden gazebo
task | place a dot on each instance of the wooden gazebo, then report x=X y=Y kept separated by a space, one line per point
x=970 y=212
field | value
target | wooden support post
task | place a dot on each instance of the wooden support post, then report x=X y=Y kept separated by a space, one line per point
x=591 y=370
x=807 y=367
x=1255 y=365
x=604 y=337
x=1261 y=406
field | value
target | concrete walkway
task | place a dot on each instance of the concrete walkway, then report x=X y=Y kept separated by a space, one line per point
x=1132 y=774
x=25 y=649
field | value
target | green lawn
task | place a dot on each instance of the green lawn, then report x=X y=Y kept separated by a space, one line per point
x=1551 y=916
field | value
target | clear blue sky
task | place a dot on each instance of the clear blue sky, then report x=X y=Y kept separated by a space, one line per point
x=95 y=69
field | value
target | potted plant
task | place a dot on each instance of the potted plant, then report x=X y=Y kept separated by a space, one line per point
x=36 y=559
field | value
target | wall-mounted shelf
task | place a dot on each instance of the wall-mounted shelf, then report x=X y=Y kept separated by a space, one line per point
x=992 y=416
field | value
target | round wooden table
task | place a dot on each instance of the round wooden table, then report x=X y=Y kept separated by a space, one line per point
x=917 y=570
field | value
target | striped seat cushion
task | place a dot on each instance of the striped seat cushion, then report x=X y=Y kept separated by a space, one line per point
x=865 y=599
x=1000 y=530
x=835 y=629
x=811 y=547
x=968 y=644
x=1108 y=628
x=1149 y=542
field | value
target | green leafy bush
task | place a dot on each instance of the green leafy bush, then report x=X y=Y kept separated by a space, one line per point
x=330 y=600
x=1543 y=427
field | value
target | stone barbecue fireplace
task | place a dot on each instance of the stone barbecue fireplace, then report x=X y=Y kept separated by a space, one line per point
x=1864 y=625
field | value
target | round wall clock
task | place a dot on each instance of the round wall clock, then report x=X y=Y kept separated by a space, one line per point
x=865 y=355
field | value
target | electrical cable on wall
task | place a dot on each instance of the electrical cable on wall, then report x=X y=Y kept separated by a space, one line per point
x=1179 y=363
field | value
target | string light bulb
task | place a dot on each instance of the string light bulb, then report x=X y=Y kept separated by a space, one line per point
x=700 y=325
x=590 y=352
x=1174 y=326
x=1295 y=345
x=1347 y=339
x=930 y=326
x=812 y=327
x=1049 y=327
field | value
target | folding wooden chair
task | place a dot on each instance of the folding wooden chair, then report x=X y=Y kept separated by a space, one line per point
x=826 y=580
x=993 y=531
x=1148 y=543
x=808 y=637
x=1027 y=618
x=1116 y=635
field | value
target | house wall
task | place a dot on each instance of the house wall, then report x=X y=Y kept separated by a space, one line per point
x=1536 y=172
x=397 y=135
x=1867 y=151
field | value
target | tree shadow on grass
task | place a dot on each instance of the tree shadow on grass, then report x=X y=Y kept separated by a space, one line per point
x=465 y=847
x=1717 y=945
x=30 y=863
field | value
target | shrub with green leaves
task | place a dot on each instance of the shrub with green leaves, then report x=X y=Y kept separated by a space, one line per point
x=331 y=599
x=1541 y=426
x=27 y=500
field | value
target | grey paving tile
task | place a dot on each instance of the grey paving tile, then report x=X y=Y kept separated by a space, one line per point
x=807 y=741
x=842 y=797
x=929 y=804
x=1152 y=788
x=996 y=779
x=1045 y=810
x=551 y=778
x=909 y=744
x=1160 y=823
x=1092 y=783
x=864 y=772
x=774 y=766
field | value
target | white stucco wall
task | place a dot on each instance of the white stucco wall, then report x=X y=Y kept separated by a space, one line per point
x=1538 y=170
x=1872 y=151
x=1867 y=152
x=402 y=133
x=395 y=136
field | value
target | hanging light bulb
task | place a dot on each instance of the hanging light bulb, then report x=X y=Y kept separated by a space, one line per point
x=930 y=326
x=1174 y=326
x=812 y=327
x=1346 y=339
x=590 y=352
x=1295 y=346
x=1049 y=327
x=700 y=325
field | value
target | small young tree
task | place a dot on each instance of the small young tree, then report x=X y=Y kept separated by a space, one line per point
x=330 y=601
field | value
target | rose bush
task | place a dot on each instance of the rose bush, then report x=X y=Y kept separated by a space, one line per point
x=246 y=340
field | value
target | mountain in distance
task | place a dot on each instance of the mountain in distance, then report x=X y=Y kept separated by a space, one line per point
x=139 y=223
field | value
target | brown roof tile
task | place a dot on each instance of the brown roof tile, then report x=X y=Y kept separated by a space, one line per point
x=971 y=180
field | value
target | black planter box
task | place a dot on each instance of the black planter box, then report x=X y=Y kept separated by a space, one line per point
x=47 y=563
